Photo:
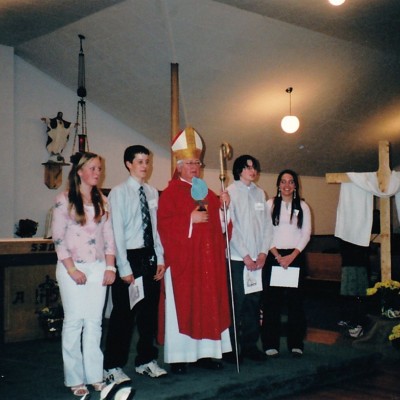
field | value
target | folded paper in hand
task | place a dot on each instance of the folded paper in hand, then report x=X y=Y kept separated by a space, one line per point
x=288 y=277
x=136 y=292
x=252 y=281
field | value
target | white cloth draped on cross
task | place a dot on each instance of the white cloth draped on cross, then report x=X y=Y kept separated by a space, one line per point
x=355 y=208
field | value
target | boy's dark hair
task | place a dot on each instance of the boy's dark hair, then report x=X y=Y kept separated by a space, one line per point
x=241 y=162
x=131 y=151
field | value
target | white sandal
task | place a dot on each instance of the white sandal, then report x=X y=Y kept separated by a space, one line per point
x=79 y=390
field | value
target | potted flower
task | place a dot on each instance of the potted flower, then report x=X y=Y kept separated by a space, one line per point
x=389 y=292
x=51 y=315
x=51 y=319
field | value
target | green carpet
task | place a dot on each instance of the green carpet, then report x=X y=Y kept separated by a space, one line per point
x=33 y=370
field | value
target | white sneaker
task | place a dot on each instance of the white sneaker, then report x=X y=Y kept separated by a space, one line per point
x=356 y=332
x=117 y=391
x=272 y=353
x=151 y=369
x=115 y=375
x=296 y=352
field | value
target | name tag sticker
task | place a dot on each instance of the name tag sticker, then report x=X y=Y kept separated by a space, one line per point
x=259 y=206
x=152 y=203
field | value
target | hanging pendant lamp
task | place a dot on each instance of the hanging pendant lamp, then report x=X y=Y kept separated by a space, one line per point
x=290 y=123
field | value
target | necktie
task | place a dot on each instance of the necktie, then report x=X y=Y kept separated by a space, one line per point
x=147 y=230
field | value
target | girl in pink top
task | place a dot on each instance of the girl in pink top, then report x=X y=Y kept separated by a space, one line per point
x=83 y=237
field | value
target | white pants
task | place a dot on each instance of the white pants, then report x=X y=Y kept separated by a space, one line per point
x=182 y=348
x=81 y=333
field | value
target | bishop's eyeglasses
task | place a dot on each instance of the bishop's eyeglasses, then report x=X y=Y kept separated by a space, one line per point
x=196 y=163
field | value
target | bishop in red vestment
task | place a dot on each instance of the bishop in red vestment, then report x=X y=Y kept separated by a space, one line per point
x=197 y=302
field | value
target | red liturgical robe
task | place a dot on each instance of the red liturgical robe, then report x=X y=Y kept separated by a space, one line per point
x=198 y=267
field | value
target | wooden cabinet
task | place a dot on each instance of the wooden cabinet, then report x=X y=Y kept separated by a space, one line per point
x=324 y=266
x=25 y=264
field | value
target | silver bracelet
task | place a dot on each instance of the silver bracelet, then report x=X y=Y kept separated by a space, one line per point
x=111 y=268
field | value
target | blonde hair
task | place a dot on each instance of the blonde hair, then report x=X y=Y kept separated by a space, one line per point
x=75 y=200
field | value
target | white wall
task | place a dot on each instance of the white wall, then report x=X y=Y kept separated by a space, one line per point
x=320 y=196
x=28 y=95
x=7 y=138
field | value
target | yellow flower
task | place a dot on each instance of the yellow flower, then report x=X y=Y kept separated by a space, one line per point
x=390 y=284
x=395 y=333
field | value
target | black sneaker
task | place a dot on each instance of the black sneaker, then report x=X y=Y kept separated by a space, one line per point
x=178 y=368
x=208 y=363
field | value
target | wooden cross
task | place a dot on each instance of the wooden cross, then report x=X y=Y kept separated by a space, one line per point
x=383 y=175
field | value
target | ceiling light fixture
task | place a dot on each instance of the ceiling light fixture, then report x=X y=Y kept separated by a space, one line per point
x=337 y=2
x=290 y=123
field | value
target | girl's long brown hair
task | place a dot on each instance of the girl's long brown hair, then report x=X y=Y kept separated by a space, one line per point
x=296 y=200
x=75 y=199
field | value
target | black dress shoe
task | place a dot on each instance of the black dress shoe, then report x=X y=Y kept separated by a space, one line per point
x=208 y=363
x=231 y=358
x=178 y=368
x=255 y=355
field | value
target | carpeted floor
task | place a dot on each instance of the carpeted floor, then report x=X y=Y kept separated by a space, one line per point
x=33 y=370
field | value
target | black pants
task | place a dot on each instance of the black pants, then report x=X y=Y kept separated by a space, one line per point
x=122 y=320
x=274 y=298
x=247 y=312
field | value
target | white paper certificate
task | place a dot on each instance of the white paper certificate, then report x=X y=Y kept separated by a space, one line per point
x=252 y=281
x=288 y=277
x=136 y=292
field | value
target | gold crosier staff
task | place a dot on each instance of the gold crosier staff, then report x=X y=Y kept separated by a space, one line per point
x=225 y=153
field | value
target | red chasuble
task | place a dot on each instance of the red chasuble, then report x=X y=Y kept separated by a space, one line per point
x=198 y=266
